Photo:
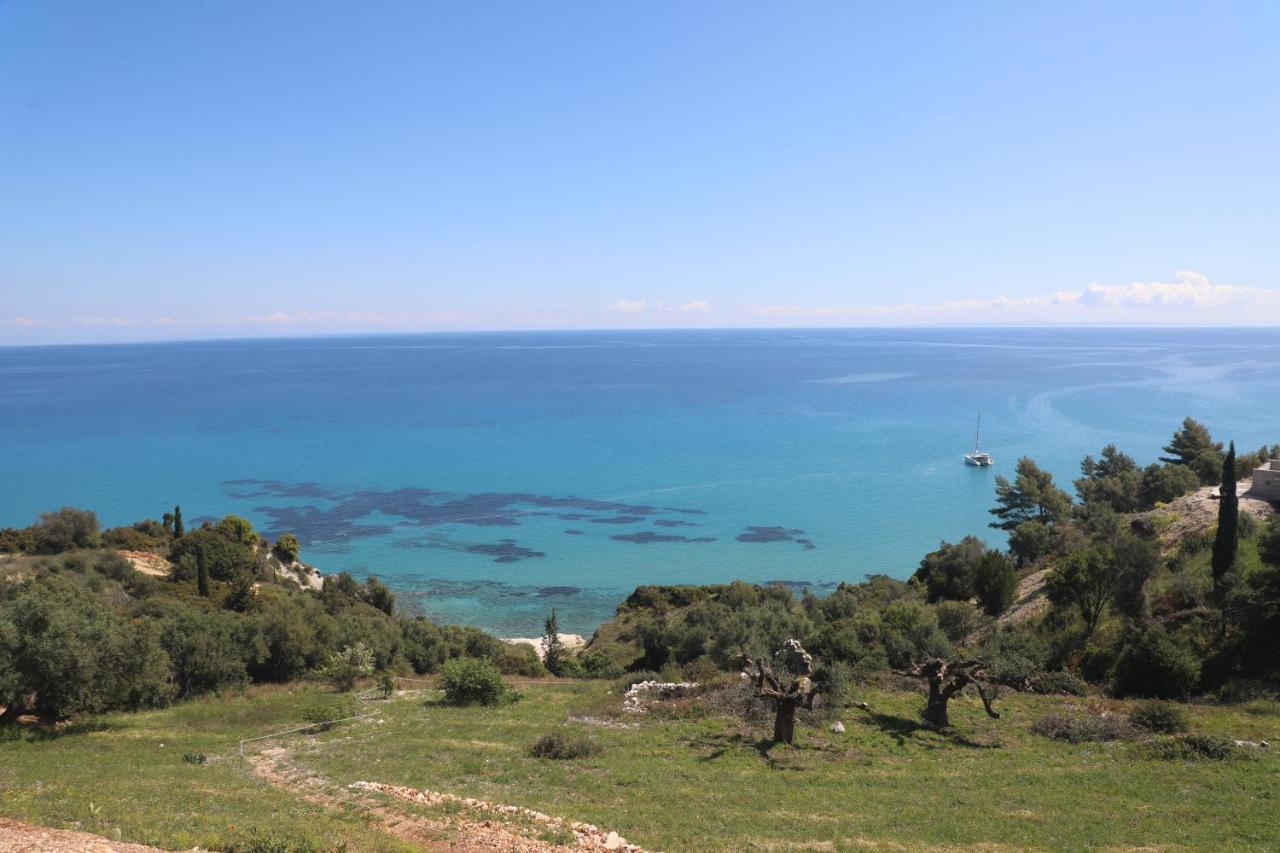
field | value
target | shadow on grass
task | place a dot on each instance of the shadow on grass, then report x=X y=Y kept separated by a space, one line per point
x=901 y=728
x=791 y=757
x=31 y=732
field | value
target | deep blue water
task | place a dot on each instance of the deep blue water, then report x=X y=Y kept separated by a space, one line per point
x=488 y=477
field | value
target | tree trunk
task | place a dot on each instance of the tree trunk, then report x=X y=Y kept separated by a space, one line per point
x=935 y=712
x=784 y=723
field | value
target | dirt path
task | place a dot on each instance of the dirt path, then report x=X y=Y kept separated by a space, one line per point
x=468 y=830
x=18 y=837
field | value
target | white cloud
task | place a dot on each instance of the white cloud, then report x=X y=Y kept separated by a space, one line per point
x=1190 y=299
x=697 y=306
x=627 y=306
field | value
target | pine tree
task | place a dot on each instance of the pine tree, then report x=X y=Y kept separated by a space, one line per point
x=1228 y=537
x=552 y=648
x=202 y=574
x=178 y=529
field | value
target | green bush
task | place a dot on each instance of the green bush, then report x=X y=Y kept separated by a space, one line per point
x=323 y=711
x=1059 y=682
x=472 y=681
x=571 y=667
x=520 y=659
x=564 y=745
x=1156 y=665
x=286 y=548
x=597 y=664
x=349 y=665
x=958 y=619
x=66 y=529
x=1162 y=718
x=1014 y=656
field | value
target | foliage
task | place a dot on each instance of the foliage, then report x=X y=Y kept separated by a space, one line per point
x=1072 y=729
x=958 y=619
x=1113 y=480
x=349 y=665
x=1059 y=682
x=324 y=711
x=520 y=659
x=1014 y=655
x=286 y=548
x=1269 y=542
x=1164 y=483
x=237 y=530
x=1192 y=446
x=225 y=560
x=947 y=573
x=553 y=653
x=564 y=745
x=66 y=529
x=1086 y=579
x=1032 y=496
x=1163 y=718
x=994 y=582
x=1155 y=664
x=472 y=681
x=1226 y=539
x=599 y=665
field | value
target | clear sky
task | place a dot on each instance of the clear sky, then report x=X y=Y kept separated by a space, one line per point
x=178 y=169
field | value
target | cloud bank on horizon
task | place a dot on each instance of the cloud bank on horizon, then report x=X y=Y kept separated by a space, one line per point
x=1190 y=299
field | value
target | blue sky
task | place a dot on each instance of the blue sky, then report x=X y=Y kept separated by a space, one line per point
x=183 y=169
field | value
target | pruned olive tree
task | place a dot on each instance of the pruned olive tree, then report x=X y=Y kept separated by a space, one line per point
x=788 y=694
x=947 y=679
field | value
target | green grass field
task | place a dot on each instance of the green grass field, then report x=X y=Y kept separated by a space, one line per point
x=693 y=781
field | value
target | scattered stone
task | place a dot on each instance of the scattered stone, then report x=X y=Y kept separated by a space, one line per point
x=637 y=695
x=837 y=727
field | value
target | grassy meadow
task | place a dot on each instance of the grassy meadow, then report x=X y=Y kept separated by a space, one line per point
x=683 y=779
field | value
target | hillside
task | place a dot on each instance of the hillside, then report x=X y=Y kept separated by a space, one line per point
x=689 y=775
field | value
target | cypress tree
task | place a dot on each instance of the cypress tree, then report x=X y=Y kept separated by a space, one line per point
x=178 y=529
x=552 y=648
x=202 y=574
x=1228 y=536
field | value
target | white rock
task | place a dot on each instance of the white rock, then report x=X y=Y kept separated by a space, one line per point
x=613 y=841
x=837 y=727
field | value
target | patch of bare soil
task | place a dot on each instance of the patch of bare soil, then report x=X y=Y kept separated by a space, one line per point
x=1195 y=514
x=147 y=563
x=477 y=825
x=18 y=837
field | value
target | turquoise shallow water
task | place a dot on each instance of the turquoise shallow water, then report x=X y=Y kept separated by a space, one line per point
x=488 y=477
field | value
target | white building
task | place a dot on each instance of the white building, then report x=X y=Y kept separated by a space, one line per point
x=1266 y=480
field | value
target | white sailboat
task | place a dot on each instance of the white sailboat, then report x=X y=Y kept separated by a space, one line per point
x=977 y=458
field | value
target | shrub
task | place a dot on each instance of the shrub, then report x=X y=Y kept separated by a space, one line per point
x=1060 y=682
x=1192 y=748
x=834 y=680
x=349 y=665
x=563 y=745
x=701 y=670
x=1083 y=729
x=570 y=667
x=286 y=548
x=597 y=664
x=520 y=659
x=1013 y=656
x=66 y=529
x=323 y=711
x=1155 y=664
x=194 y=757
x=471 y=681
x=958 y=619
x=1160 y=717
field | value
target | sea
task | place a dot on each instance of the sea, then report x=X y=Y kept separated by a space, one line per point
x=488 y=478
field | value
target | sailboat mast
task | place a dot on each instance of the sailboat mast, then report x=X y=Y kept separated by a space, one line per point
x=977 y=436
